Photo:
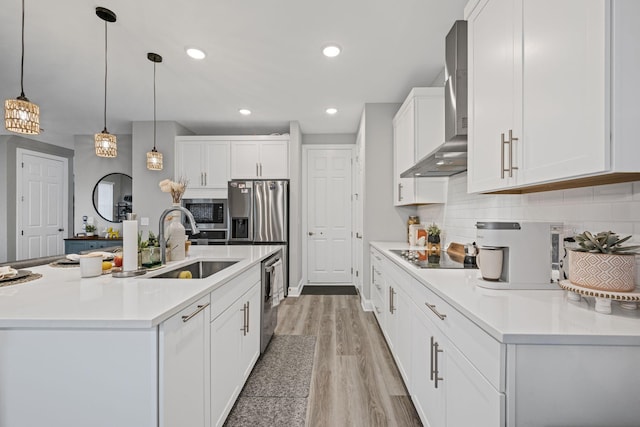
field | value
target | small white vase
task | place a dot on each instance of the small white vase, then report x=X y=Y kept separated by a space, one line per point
x=175 y=236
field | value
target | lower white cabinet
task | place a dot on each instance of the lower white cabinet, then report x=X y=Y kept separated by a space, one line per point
x=398 y=326
x=235 y=347
x=447 y=389
x=184 y=367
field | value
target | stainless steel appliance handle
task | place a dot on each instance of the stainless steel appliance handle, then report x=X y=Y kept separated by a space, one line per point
x=437 y=313
x=192 y=315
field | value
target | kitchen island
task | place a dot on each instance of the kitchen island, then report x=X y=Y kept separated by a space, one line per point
x=476 y=356
x=138 y=351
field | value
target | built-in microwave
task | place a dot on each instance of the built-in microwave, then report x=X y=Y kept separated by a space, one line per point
x=211 y=218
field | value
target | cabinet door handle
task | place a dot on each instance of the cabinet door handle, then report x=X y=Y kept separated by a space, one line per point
x=511 y=167
x=244 y=319
x=436 y=373
x=432 y=307
x=198 y=310
x=205 y=179
x=260 y=169
x=248 y=313
x=391 y=300
x=431 y=370
x=399 y=192
x=502 y=144
x=257 y=170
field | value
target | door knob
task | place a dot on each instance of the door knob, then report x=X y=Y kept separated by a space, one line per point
x=311 y=233
x=60 y=229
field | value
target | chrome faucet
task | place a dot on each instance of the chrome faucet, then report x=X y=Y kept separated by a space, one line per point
x=163 y=244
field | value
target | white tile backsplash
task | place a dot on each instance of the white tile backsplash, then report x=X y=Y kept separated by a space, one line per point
x=614 y=207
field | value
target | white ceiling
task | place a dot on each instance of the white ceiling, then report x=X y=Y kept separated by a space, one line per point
x=264 y=55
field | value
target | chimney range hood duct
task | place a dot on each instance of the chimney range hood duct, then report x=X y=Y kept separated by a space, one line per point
x=451 y=157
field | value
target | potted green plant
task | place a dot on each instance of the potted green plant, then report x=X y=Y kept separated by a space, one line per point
x=601 y=262
x=90 y=229
x=433 y=239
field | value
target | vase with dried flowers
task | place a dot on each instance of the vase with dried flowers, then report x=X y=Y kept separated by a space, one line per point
x=176 y=188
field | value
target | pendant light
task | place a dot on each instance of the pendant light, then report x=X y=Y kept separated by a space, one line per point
x=105 y=143
x=154 y=157
x=20 y=114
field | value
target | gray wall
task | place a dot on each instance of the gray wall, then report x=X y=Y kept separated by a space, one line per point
x=8 y=197
x=89 y=169
x=329 y=138
x=382 y=221
x=148 y=200
x=295 y=204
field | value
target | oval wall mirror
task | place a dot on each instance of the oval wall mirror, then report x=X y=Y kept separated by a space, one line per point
x=112 y=197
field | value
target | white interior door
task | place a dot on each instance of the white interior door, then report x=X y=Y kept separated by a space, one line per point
x=328 y=189
x=42 y=200
x=357 y=216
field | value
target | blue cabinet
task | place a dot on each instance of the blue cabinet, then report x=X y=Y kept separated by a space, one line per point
x=77 y=245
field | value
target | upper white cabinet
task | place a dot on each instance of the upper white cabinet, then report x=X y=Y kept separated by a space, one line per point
x=418 y=129
x=204 y=162
x=264 y=158
x=552 y=96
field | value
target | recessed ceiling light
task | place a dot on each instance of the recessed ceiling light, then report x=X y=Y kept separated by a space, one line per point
x=195 y=53
x=244 y=111
x=331 y=111
x=331 y=50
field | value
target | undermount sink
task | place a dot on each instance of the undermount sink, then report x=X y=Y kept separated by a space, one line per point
x=198 y=269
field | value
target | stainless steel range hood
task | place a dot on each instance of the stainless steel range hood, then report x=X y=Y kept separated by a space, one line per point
x=451 y=157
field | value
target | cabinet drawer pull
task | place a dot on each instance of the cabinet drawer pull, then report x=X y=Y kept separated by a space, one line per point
x=198 y=310
x=432 y=307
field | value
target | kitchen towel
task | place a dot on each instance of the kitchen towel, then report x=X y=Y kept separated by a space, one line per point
x=130 y=245
x=277 y=285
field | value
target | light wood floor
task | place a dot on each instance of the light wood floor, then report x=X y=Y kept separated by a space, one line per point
x=355 y=381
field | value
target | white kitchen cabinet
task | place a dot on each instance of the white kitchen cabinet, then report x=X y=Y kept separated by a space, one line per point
x=184 y=367
x=265 y=158
x=378 y=287
x=205 y=163
x=418 y=129
x=235 y=347
x=448 y=388
x=398 y=324
x=551 y=96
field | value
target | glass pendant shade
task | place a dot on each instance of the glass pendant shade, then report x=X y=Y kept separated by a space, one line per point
x=154 y=157
x=154 y=160
x=106 y=144
x=22 y=116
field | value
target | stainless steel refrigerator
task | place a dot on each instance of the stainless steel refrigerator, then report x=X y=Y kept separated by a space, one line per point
x=259 y=215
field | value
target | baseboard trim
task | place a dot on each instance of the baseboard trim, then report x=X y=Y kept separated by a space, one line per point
x=296 y=291
x=367 y=304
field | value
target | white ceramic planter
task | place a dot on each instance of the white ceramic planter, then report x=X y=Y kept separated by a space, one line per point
x=605 y=272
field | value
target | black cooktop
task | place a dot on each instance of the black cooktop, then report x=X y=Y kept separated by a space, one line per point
x=422 y=259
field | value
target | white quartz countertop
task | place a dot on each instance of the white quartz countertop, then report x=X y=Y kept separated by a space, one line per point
x=62 y=299
x=524 y=316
